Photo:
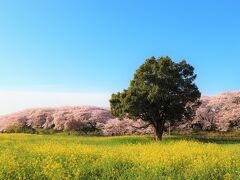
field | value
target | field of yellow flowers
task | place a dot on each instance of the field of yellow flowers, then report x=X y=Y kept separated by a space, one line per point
x=25 y=156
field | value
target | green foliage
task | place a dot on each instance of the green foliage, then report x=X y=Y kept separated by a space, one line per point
x=18 y=129
x=29 y=130
x=160 y=91
x=47 y=131
x=11 y=129
x=81 y=133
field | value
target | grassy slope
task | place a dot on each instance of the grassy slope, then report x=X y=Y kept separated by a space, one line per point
x=131 y=157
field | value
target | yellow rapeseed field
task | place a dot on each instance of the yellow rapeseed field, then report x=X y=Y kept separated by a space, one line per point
x=128 y=157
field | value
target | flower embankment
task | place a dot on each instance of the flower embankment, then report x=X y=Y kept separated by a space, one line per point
x=219 y=113
x=82 y=118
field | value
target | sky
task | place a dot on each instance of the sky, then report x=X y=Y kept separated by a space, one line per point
x=62 y=53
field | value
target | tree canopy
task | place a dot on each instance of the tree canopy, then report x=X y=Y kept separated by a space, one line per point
x=160 y=91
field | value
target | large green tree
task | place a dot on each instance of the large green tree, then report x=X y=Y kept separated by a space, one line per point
x=160 y=91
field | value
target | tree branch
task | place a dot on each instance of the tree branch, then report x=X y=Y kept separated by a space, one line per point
x=142 y=127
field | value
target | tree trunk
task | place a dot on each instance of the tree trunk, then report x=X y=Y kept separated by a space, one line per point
x=159 y=131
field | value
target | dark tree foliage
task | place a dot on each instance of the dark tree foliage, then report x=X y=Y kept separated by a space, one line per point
x=80 y=126
x=160 y=91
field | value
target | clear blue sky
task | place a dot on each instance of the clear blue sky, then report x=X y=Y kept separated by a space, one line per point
x=96 y=46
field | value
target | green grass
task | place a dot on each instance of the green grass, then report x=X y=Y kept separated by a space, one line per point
x=25 y=156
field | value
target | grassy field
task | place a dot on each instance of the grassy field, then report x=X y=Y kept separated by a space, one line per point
x=25 y=156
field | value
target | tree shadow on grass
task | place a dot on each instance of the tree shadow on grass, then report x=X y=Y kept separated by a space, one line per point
x=168 y=139
x=219 y=140
x=206 y=139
